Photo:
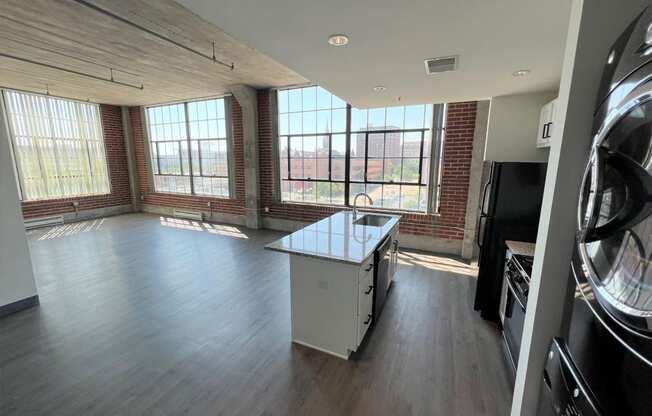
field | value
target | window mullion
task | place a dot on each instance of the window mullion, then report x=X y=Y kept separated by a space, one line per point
x=289 y=161
x=180 y=157
x=192 y=182
x=366 y=156
x=330 y=156
x=420 y=159
x=201 y=167
x=158 y=158
x=347 y=158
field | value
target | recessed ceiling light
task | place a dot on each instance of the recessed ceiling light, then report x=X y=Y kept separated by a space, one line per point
x=521 y=72
x=380 y=88
x=338 y=40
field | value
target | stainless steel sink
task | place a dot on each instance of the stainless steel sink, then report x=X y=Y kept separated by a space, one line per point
x=372 y=220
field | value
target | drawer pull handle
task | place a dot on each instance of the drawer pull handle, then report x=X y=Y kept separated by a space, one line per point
x=371 y=266
x=368 y=320
x=369 y=290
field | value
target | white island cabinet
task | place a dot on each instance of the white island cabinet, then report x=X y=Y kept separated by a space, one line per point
x=332 y=284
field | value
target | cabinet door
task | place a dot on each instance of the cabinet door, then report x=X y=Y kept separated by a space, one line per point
x=551 y=118
x=546 y=124
x=544 y=119
x=365 y=305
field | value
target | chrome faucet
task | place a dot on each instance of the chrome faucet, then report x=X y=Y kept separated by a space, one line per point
x=355 y=202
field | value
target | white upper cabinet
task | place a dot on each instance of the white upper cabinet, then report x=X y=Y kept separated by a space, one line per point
x=512 y=126
x=546 y=124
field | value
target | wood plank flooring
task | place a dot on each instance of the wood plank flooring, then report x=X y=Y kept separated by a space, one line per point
x=142 y=315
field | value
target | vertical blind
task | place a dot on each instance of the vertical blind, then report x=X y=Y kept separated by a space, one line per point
x=58 y=146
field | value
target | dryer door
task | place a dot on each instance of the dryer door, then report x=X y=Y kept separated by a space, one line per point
x=615 y=214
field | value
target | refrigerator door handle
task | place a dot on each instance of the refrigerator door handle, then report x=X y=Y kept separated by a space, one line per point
x=484 y=198
x=477 y=232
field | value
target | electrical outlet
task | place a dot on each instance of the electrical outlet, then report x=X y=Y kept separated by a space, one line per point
x=266 y=209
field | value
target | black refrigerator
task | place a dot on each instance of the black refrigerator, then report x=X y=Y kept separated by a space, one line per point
x=510 y=210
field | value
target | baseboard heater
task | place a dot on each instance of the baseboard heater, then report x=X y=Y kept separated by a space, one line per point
x=186 y=214
x=32 y=223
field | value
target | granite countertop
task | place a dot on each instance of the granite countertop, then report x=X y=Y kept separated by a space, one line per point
x=336 y=238
x=520 y=247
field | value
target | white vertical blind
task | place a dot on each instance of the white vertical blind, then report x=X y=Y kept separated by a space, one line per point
x=58 y=146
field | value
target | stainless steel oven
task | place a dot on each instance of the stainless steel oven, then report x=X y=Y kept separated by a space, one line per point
x=516 y=288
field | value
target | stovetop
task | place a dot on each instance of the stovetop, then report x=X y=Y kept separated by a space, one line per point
x=524 y=262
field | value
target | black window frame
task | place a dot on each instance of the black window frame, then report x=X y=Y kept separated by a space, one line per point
x=155 y=160
x=425 y=179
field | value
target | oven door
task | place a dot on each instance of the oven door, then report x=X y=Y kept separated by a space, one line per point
x=514 y=319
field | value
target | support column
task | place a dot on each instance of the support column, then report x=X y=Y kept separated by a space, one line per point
x=475 y=179
x=594 y=26
x=247 y=98
x=17 y=285
x=134 y=187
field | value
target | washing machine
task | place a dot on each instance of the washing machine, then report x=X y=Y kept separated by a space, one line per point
x=604 y=366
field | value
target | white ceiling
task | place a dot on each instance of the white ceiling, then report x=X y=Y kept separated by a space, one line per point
x=391 y=38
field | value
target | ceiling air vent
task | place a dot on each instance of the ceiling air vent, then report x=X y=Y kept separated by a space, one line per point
x=443 y=64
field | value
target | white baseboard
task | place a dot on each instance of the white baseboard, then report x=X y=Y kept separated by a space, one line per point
x=208 y=216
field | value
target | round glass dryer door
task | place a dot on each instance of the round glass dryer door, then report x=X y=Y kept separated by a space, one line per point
x=615 y=216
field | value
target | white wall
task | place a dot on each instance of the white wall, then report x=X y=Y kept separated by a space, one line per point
x=16 y=275
x=513 y=126
x=594 y=25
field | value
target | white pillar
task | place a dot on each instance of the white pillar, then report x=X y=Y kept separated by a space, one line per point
x=17 y=286
x=594 y=26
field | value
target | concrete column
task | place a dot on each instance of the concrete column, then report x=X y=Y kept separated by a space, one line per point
x=128 y=132
x=248 y=99
x=475 y=179
x=17 y=285
x=594 y=25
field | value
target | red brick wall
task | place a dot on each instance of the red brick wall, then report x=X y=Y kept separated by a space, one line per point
x=235 y=205
x=116 y=155
x=449 y=224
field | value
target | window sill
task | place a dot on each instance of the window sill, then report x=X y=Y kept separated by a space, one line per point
x=224 y=198
x=70 y=198
x=361 y=208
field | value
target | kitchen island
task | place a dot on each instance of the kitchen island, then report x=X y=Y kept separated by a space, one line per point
x=338 y=268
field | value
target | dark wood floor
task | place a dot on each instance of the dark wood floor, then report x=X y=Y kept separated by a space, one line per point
x=142 y=315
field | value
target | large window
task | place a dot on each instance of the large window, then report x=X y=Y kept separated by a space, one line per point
x=328 y=151
x=58 y=146
x=312 y=145
x=390 y=155
x=189 y=147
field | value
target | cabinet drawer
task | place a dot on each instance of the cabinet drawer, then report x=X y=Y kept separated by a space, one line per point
x=366 y=270
x=364 y=314
x=365 y=293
